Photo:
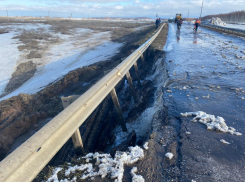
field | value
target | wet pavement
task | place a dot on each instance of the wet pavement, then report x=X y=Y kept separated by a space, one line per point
x=206 y=73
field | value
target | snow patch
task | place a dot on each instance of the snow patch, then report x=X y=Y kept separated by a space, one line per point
x=217 y=21
x=106 y=164
x=211 y=122
x=136 y=178
x=169 y=155
x=54 y=177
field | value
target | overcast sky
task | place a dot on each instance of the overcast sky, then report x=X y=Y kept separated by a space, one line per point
x=118 y=8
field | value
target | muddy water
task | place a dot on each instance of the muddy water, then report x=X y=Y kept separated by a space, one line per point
x=206 y=73
x=206 y=63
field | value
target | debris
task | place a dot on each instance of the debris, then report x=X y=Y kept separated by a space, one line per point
x=188 y=133
x=169 y=91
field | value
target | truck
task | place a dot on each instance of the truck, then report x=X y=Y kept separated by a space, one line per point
x=178 y=17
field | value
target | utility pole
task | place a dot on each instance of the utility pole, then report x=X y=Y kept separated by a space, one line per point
x=188 y=13
x=201 y=11
x=7 y=14
x=48 y=14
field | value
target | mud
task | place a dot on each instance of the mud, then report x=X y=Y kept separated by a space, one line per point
x=24 y=71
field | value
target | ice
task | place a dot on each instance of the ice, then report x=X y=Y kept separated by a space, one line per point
x=212 y=122
x=136 y=178
x=224 y=142
x=169 y=155
x=146 y=146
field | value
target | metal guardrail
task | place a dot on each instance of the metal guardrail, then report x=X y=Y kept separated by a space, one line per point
x=225 y=29
x=25 y=163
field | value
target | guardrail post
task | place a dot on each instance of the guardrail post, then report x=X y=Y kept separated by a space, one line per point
x=131 y=85
x=143 y=60
x=118 y=109
x=137 y=72
x=76 y=137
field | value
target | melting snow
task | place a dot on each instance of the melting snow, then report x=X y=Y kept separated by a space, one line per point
x=169 y=155
x=136 y=178
x=211 y=122
x=146 y=146
x=54 y=177
x=224 y=142
x=106 y=164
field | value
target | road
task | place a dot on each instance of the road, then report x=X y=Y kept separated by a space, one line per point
x=206 y=73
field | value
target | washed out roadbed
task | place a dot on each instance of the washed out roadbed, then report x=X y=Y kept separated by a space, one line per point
x=127 y=157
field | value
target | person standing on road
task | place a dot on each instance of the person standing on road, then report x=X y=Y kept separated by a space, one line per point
x=197 y=23
x=157 y=22
x=179 y=23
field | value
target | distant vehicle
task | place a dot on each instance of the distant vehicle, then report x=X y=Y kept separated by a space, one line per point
x=178 y=17
x=171 y=20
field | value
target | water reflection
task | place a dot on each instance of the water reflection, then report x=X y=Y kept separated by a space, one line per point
x=194 y=38
x=178 y=35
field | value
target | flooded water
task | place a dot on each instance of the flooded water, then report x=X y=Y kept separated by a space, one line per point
x=206 y=73
x=207 y=63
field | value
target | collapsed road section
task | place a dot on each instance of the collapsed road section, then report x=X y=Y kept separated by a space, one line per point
x=204 y=99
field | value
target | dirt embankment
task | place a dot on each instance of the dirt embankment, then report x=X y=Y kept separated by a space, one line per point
x=19 y=113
